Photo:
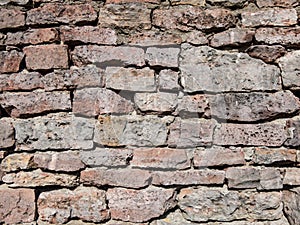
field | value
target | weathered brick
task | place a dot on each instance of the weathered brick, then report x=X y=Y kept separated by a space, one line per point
x=32 y=36
x=291 y=176
x=294 y=129
x=16 y=162
x=68 y=161
x=168 y=80
x=10 y=61
x=130 y=130
x=232 y=37
x=129 y=16
x=193 y=106
x=86 y=203
x=39 y=178
x=253 y=106
x=160 y=158
x=266 y=134
x=21 y=81
x=7 y=133
x=191 y=133
x=139 y=205
x=277 y=3
x=266 y=17
x=166 y=57
x=218 y=157
x=290 y=67
x=24 y=104
x=76 y=77
x=61 y=13
x=108 y=157
x=291 y=200
x=187 y=17
x=235 y=71
x=11 y=18
x=160 y=102
x=128 y=178
x=104 y=56
x=267 y=53
x=212 y=204
x=279 y=35
x=17 y=205
x=130 y=79
x=55 y=131
x=89 y=34
x=43 y=57
x=188 y=177
x=97 y=101
x=265 y=156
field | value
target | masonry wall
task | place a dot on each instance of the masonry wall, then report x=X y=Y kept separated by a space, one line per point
x=145 y=112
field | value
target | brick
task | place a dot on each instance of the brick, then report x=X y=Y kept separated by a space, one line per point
x=265 y=17
x=199 y=73
x=97 y=101
x=139 y=205
x=166 y=57
x=276 y=3
x=38 y=178
x=265 y=156
x=21 y=81
x=254 y=106
x=44 y=57
x=89 y=34
x=32 y=36
x=130 y=130
x=191 y=133
x=104 y=56
x=232 y=37
x=7 y=133
x=291 y=200
x=160 y=158
x=294 y=130
x=10 y=61
x=17 y=205
x=266 y=134
x=11 y=18
x=168 y=80
x=289 y=65
x=187 y=17
x=86 y=203
x=68 y=161
x=291 y=176
x=193 y=106
x=107 y=157
x=218 y=157
x=16 y=162
x=61 y=13
x=130 y=79
x=128 y=178
x=54 y=131
x=194 y=177
x=24 y=104
x=268 y=54
x=76 y=77
x=212 y=204
x=160 y=102
x=128 y=17
x=287 y=36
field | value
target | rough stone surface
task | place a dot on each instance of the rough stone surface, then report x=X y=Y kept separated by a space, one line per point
x=193 y=106
x=267 y=53
x=44 y=57
x=281 y=156
x=24 y=104
x=17 y=205
x=21 y=81
x=235 y=72
x=212 y=204
x=19 y=2
x=7 y=133
x=294 y=128
x=291 y=176
x=11 y=18
x=166 y=57
x=10 y=61
x=61 y=131
x=168 y=80
x=266 y=17
x=139 y=205
x=16 y=162
x=130 y=79
x=279 y=3
x=291 y=201
x=104 y=56
x=97 y=101
x=59 y=206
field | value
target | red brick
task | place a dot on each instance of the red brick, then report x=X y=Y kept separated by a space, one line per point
x=10 y=61
x=11 y=18
x=43 y=57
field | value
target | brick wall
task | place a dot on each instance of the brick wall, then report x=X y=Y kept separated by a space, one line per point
x=150 y=112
